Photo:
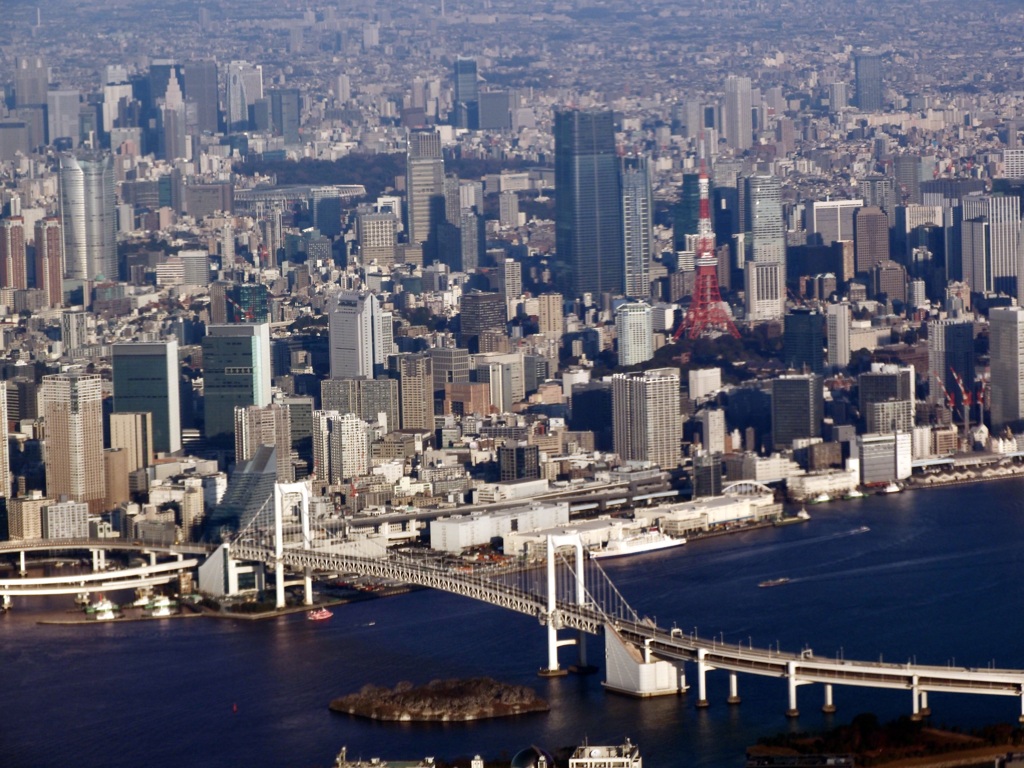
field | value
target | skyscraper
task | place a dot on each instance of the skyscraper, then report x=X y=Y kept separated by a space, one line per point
x=256 y=426
x=366 y=398
x=797 y=408
x=1002 y=213
x=1006 y=347
x=637 y=212
x=13 y=266
x=5 y=456
x=415 y=376
x=62 y=108
x=467 y=99
x=868 y=73
x=424 y=187
x=133 y=434
x=49 y=242
x=803 y=340
x=738 y=115
x=201 y=89
x=908 y=172
x=360 y=336
x=832 y=220
x=146 y=380
x=244 y=89
x=886 y=398
x=633 y=329
x=341 y=449
x=764 y=219
x=950 y=348
x=588 y=201
x=646 y=424
x=286 y=113
x=837 y=319
x=73 y=410
x=88 y=217
x=31 y=80
x=480 y=312
x=236 y=371
x=871 y=241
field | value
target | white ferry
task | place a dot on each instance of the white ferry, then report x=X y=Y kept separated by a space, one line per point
x=636 y=544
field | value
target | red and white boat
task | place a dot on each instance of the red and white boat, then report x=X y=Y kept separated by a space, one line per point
x=320 y=614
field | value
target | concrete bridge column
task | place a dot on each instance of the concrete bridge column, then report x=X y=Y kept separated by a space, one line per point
x=307 y=587
x=1020 y=718
x=702 y=671
x=791 y=680
x=734 y=696
x=926 y=711
x=95 y=560
x=915 y=712
x=152 y=558
x=829 y=707
x=581 y=650
x=279 y=583
x=21 y=562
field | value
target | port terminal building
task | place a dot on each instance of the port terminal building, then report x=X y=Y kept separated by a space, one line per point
x=741 y=503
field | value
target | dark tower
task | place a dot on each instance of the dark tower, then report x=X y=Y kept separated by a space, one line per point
x=588 y=215
x=868 y=68
x=467 y=99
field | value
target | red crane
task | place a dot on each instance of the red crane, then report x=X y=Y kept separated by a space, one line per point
x=707 y=315
x=246 y=313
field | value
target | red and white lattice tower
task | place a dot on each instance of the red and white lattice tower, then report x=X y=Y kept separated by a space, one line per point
x=707 y=315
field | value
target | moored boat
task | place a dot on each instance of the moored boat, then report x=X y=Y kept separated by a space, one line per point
x=637 y=544
x=891 y=488
x=821 y=498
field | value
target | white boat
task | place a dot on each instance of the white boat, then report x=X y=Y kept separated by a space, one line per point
x=636 y=544
x=891 y=488
x=821 y=498
x=161 y=606
x=855 y=494
x=103 y=610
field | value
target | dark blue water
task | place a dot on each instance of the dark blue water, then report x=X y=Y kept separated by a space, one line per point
x=936 y=578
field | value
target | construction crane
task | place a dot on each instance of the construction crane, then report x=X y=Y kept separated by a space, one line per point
x=967 y=399
x=706 y=315
x=246 y=313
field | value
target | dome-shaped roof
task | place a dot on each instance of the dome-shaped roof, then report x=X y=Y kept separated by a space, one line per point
x=532 y=757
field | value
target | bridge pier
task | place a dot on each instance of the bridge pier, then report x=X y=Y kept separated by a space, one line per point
x=828 y=707
x=1020 y=718
x=915 y=694
x=702 y=672
x=926 y=711
x=152 y=557
x=734 y=696
x=792 y=711
x=21 y=563
x=307 y=587
x=99 y=560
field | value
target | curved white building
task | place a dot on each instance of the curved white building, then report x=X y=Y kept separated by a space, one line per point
x=87 y=212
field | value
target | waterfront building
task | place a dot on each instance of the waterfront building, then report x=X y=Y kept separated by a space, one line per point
x=588 y=204
x=886 y=398
x=1006 y=351
x=884 y=458
x=65 y=520
x=950 y=348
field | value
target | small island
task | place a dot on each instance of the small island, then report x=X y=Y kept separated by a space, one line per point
x=441 y=701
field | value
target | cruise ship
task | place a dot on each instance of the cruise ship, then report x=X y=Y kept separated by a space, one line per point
x=639 y=543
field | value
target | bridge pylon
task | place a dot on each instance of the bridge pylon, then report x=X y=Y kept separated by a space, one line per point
x=551 y=617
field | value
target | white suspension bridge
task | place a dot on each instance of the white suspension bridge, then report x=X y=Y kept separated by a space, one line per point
x=571 y=596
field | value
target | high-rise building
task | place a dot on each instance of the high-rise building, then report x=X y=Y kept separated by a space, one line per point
x=378 y=235
x=236 y=371
x=244 y=89
x=764 y=290
x=550 y=314
x=637 y=212
x=88 y=216
x=879 y=191
x=950 y=348
x=286 y=114
x=646 y=423
x=508 y=208
x=832 y=220
x=31 y=81
x=49 y=242
x=707 y=475
x=450 y=366
x=13 y=259
x=257 y=425
x=908 y=170
x=506 y=376
x=1013 y=163
x=73 y=411
x=5 y=456
x=712 y=422
x=424 y=187
x=133 y=434
x=201 y=88
x=802 y=340
x=886 y=398
x=737 y=115
x=62 y=108
x=368 y=399
x=837 y=318
x=635 y=334
x=797 y=408
x=467 y=98
x=415 y=376
x=767 y=227
x=1002 y=214
x=480 y=312
x=871 y=227
x=868 y=74
x=341 y=449
x=588 y=204
x=511 y=279
x=1006 y=350
x=889 y=279
x=146 y=378
x=360 y=336
x=518 y=462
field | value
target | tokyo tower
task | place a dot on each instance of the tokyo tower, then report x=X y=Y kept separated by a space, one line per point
x=707 y=315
